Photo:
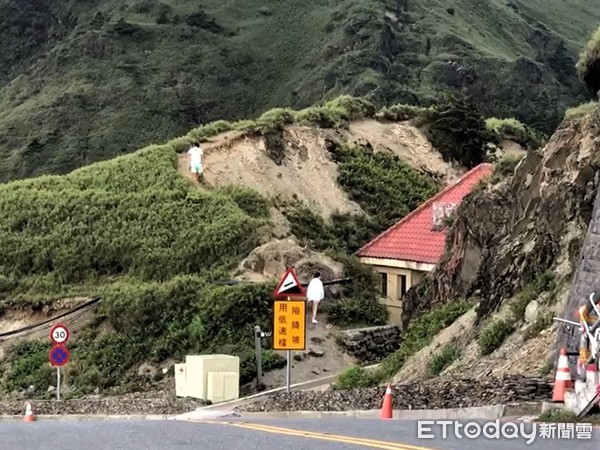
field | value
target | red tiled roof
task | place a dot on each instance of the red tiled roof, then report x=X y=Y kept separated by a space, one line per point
x=412 y=238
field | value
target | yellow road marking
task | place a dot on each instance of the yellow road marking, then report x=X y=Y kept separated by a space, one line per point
x=387 y=445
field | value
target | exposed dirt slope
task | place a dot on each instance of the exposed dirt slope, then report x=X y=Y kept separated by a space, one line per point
x=15 y=319
x=504 y=241
x=307 y=172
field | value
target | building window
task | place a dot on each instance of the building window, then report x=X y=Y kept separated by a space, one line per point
x=384 y=279
x=401 y=286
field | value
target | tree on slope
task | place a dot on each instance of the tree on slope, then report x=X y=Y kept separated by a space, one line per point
x=588 y=66
x=456 y=128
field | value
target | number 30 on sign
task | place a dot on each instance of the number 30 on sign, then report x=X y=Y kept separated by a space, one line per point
x=59 y=334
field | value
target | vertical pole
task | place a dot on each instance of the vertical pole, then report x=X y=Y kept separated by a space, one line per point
x=58 y=383
x=288 y=370
x=258 y=352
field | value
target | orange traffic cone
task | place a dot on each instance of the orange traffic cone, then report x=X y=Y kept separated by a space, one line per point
x=563 y=379
x=29 y=417
x=386 y=408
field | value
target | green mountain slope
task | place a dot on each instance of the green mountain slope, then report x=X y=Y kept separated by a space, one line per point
x=152 y=243
x=82 y=81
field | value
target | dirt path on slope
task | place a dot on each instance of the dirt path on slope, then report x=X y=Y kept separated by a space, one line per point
x=321 y=358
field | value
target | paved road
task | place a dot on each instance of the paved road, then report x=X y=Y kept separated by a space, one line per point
x=240 y=433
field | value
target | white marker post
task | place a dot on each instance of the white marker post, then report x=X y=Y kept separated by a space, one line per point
x=58 y=383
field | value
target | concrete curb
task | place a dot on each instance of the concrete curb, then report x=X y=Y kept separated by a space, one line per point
x=88 y=417
x=481 y=412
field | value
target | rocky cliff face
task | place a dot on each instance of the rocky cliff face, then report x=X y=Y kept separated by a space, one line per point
x=505 y=235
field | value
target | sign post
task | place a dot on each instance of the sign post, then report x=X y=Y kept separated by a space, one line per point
x=59 y=354
x=289 y=318
x=258 y=351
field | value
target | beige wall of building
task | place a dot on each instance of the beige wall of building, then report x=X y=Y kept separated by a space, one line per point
x=397 y=278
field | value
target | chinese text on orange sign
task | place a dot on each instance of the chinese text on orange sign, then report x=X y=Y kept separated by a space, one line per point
x=289 y=325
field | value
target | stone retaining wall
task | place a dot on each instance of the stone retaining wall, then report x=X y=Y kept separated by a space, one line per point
x=429 y=394
x=371 y=344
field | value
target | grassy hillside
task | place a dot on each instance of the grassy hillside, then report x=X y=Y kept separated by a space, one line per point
x=151 y=243
x=85 y=81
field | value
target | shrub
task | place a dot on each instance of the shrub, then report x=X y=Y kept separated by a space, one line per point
x=357 y=311
x=110 y=219
x=249 y=201
x=401 y=112
x=383 y=185
x=579 y=111
x=543 y=322
x=277 y=117
x=355 y=377
x=355 y=107
x=421 y=331
x=419 y=334
x=334 y=114
x=492 y=337
x=588 y=66
x=443 y=359
x=505 y=167
x=323 y=117
x=29 y=366
x=544 y=282
x=514 y=130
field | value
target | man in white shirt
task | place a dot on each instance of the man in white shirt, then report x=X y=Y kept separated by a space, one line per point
x=195 y=154
x=315 y=293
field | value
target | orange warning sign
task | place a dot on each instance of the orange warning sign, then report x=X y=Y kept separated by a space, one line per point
x=289 y=325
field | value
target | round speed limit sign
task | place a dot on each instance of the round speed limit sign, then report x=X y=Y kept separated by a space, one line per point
x=59 y=334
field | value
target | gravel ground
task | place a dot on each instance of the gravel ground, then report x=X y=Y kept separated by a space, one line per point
x=142 y=403
x=431 y=394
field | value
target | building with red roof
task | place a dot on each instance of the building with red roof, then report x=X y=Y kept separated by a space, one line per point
x=407 y=250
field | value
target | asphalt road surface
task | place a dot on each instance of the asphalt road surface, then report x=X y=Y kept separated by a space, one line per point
x=244 y=433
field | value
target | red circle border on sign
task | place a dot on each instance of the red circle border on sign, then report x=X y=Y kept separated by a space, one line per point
x=65 y=349
x=60 y=325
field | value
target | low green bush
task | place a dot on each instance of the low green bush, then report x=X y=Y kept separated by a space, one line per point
x=504 y=167
x=493 y=336
x=336 y=113
x=579 y=111
x=28 y=366
x=421 y=331
x=400 y=113
x=354 y=378
x=514 y=130
x=357 y=311
x=544 y=321
x=419 y=334
x=443 y=359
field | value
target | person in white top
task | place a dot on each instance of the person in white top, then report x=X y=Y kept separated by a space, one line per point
x=315 y=293
x=195 y=154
